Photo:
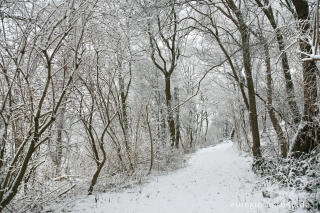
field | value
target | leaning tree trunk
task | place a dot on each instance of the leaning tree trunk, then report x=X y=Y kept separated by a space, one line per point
x=308 y=134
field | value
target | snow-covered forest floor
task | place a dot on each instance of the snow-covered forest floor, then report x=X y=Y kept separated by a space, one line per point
x=216 y=179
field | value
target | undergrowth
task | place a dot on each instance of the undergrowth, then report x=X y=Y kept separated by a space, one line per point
x=301 y=174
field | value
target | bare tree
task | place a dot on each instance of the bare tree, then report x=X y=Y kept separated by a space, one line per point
x=165 y=44
x=96 y=108
x=32 y=60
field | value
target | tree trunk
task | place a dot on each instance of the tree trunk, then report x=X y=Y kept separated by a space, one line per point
x=123 y=98
x=244 y=31
x=251 y=93
x=10 y=193
x=123 y=119
x=151 y=141
x=177 y=116
x=96 y=175
x=3 y=145
x=275 y=123
x=307 y=136
x=207 y=126
x=172 y=130
x=59 y=146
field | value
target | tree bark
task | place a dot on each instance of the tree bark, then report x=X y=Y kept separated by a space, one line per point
x=245 y=38
x=308 y=135
x=172 y=130
x=177 y=116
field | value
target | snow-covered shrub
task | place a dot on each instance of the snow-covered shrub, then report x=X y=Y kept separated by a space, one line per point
x=264 y=166
x=302 y=174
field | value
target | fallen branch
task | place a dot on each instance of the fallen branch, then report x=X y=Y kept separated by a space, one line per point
x=66 y=191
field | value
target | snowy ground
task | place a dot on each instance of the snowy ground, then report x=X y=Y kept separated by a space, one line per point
x=216 y=180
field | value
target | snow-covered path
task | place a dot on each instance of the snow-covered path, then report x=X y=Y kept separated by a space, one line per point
x=216 y=180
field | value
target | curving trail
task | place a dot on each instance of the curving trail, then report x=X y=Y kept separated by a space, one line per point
x=217 y=180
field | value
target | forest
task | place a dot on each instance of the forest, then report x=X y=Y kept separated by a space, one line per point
x=97 y=95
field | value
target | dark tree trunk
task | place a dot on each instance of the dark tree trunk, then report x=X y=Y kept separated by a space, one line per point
x=172 y=130
x=191 y=138
x=123 y=116
x=207 y=126
x=151 y=141
x=95 y=176
x=245 y=38
x=251 y=94
x=123 y=105
x=177 y=116
x=307 y=136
